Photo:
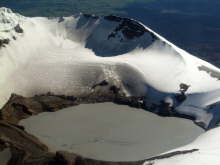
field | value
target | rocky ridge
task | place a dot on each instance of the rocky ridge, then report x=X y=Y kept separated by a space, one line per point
x=10 y=26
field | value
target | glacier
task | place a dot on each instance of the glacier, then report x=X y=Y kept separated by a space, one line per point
x=69 y=55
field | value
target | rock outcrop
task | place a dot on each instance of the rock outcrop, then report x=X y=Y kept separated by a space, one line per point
x=4 y=42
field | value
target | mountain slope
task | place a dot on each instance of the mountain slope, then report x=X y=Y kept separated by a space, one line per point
x=70 y=55
x=67 y=56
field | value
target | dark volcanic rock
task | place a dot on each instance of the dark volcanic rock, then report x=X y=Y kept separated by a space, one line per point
x=90 y=16
x=23 y=145
x=103 y=83
x=130 y=28
x=18 y=107
x=18 y=29
x=120 y=35
x=211 y=72
x=113 y=18
x=61 y=19
x=4 y=42
x=114 y=89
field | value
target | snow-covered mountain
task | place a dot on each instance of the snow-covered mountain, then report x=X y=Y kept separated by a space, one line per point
x=68 y=55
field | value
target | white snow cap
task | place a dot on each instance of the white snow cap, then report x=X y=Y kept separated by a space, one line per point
x=8 y=21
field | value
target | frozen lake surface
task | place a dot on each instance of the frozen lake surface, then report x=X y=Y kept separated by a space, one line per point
x=111 y=132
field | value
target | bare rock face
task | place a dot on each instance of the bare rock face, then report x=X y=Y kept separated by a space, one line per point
x=18 y=29
x=19 y=108
x=23 y=145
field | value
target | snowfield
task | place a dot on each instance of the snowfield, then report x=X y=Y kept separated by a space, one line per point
x=67 y=56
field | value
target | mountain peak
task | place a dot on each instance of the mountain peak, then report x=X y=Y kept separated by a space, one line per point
x=9 y=25
x=8 y=19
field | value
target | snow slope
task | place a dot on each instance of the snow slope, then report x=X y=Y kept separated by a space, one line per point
x=207 y=152
x=69 y=55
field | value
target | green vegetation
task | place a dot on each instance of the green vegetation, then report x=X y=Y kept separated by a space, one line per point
x=67 y=7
